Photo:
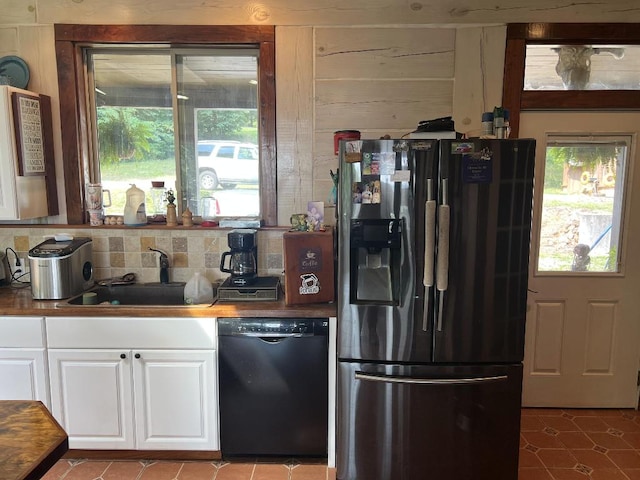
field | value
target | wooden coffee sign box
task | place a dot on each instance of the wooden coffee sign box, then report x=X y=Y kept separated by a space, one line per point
x=308 y=267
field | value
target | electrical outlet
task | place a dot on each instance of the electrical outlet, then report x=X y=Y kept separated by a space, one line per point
x=23 y=268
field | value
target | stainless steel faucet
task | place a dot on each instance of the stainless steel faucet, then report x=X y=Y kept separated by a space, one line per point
x=164 y=265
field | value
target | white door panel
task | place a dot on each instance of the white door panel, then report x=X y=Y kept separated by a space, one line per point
x=582 y=346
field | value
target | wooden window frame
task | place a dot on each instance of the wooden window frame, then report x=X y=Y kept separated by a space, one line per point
x=71 y=39
x=519 y=35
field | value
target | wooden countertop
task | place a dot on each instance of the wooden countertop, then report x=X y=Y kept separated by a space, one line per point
x=18 y=301
x=31 y=441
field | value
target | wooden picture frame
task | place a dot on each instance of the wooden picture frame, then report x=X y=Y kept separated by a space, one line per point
x=30 y=142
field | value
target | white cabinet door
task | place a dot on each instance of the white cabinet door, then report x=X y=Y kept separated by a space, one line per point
x=165 y=399
x=175 y=399
x=23 y=374
x=91 y=397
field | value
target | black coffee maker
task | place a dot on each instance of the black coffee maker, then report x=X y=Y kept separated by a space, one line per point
x=243 y=259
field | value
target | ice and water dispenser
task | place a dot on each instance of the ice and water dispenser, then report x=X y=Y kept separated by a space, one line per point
x=375 y=261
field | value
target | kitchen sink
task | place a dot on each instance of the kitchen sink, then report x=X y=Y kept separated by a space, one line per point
x=138 y=294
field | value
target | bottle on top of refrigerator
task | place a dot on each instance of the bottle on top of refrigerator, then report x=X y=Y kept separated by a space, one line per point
x=134 y=209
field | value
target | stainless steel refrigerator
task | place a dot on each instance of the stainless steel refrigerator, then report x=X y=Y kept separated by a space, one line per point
x=433 y=242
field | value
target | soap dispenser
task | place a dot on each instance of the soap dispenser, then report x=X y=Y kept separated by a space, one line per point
x=135 y=213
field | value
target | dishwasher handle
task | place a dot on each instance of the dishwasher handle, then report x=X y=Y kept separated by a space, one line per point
x=270 y=336
x=273 y=340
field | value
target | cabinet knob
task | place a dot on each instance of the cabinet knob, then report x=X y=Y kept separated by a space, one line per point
x=137 y=355
x=123 y=355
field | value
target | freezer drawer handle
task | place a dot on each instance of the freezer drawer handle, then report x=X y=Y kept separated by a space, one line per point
x=428 y=381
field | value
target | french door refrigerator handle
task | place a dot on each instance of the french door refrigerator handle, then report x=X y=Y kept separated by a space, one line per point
x=429 y=252
x=442 y=260
x=428 y=381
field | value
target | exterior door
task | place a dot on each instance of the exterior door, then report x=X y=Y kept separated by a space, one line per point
x=582 y=345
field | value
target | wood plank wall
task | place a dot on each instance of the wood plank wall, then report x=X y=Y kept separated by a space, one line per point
x=317 y=12
x=376 y=79
x=384 y=80
x=380 y=81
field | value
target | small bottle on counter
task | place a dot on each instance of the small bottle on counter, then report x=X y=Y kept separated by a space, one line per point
x=172 y=217
x=507 y=125
x=198 y=290
x=187 y=218
x=487 y=124
x=134 y=210
x=498 y=123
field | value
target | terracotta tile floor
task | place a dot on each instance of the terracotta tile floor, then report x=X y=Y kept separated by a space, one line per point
x=580 y=444
x=555 y=444
x=67 y=469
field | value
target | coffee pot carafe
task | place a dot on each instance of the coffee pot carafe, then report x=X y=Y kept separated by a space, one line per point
x=242 y=264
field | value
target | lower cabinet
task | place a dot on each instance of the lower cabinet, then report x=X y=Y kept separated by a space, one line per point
x=134 y=398
x=23 y=374
x=92 y=397
x=23 y=359
x=174 y=400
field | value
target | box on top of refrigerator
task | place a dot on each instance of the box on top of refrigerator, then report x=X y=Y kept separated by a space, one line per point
x=308 y=267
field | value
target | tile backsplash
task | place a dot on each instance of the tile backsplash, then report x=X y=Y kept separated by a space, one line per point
x=120 y=250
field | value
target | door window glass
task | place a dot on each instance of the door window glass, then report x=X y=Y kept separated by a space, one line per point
x=582 y=204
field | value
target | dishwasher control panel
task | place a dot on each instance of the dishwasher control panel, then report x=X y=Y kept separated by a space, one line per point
x=273 y=327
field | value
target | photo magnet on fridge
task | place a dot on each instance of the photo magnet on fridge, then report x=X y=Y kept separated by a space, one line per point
x=366 y=163
x=371 y=163
x=387 y=162
x=370 y=192
x=352 y=151
x=356 y=192
x=477 y=167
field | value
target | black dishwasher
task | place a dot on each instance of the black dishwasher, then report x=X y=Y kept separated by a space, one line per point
x=273 y=378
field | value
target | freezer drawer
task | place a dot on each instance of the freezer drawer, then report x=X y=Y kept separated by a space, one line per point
x=428 y=422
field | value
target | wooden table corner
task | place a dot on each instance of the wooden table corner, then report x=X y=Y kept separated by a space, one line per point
x=31 y=440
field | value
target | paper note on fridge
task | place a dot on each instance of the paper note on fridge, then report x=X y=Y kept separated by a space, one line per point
x=401 y=176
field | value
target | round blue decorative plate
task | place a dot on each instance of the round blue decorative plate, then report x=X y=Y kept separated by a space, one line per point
x=16 y=70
